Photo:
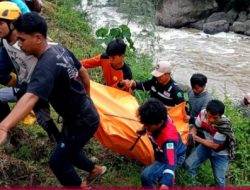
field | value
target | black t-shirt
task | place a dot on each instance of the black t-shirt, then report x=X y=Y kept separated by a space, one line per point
x=55 y=79
x=170 y=94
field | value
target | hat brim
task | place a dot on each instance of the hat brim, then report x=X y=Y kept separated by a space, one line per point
x=156 y=73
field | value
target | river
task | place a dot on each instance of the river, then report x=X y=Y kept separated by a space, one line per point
x=223 y=58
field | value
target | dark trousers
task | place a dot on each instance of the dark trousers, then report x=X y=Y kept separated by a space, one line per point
x=76 y=132
x=4 y=110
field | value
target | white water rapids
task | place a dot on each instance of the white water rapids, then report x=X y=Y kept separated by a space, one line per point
x=224 y=58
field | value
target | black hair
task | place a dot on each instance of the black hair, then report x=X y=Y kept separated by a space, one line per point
x=152 y=112
x=198 y=79
x=116 y=47
x=31 y=23
x=215 y=107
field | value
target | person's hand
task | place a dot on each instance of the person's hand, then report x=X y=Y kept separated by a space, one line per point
x=192 y=132
x=141 y=132
x=164 y=187
x=132 y=84
x=196 y=138
x=186 y=118
x=126 y=85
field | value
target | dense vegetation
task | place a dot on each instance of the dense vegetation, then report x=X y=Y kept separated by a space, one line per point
x=70 y=27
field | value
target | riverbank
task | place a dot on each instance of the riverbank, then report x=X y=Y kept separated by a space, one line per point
x=29 y=160
x=239 y=169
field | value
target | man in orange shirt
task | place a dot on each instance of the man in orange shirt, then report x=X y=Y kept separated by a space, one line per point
x=114 y=68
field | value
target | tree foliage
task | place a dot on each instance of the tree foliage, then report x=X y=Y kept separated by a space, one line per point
x=106 y=35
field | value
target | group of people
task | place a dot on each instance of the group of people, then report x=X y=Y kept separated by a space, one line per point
x=38 y=73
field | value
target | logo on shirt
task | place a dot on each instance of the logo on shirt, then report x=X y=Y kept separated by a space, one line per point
x=179 y=95
x=166 y=93
x=170 y=146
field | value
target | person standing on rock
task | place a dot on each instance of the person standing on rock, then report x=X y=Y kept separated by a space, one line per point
x=59 y=79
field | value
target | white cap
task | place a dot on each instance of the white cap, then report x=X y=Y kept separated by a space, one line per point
x=247 y=97
x=161 y=68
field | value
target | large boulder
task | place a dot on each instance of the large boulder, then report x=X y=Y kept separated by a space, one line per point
x=216 y=27
x=239 y=27
x=197 y=25
x=218 y=16
x=247 y=33
x=178 y=13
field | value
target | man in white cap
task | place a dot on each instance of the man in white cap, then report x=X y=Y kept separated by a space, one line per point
x=161 y=86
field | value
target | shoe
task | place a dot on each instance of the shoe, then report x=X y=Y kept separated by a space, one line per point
x=95 y=174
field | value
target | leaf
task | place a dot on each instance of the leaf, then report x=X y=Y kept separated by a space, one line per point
x=115 y=32
x=125 y=31
x=102 y=32
x=108 y=39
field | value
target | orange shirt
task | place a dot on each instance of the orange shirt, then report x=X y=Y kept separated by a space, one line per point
x=111 y=76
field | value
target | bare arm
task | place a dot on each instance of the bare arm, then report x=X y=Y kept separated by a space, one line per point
x=22 y=108
x=83 y=74
x=207 y=143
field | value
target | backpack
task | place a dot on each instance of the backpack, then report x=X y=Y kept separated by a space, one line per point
x=224 y=127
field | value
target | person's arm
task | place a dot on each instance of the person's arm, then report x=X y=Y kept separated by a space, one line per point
x=170 y=160
x=22 y=108
x=145 y=85
x=91 y=62
x=83 y=74
x=127 y=73
x=208 y=143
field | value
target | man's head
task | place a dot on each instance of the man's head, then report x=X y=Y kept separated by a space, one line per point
x=31 y=32
x=152 y=114
x=162 y=71
x=9 y=12
x=116 y=50
x=247 y=99
x=215 y=109
x=198 y=83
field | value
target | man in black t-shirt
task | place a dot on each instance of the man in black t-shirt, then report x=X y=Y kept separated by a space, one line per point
x=59 y=79
x=161 y=86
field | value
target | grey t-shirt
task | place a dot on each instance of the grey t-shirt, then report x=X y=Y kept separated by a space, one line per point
x=198 y=102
